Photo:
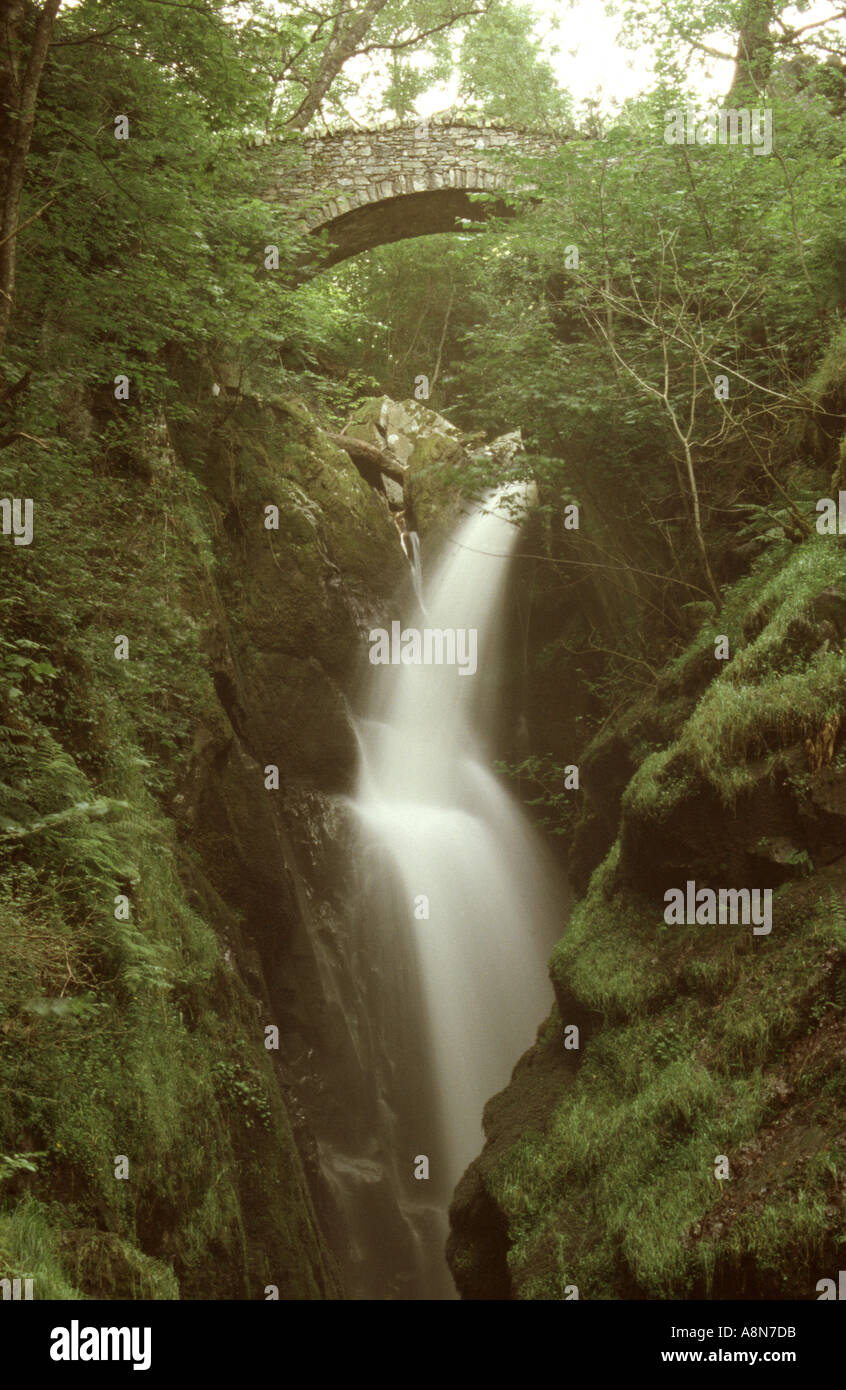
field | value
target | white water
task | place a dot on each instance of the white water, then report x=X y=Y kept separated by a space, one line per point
x=411 y=547
x=445 y=827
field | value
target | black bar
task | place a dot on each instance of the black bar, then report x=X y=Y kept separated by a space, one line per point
x=275 y=1342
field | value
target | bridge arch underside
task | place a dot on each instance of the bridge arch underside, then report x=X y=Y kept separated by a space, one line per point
x=403 y=216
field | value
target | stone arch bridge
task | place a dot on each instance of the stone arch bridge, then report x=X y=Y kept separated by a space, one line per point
x=368 y=187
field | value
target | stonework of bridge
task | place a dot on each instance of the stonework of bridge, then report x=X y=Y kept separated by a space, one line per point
x=368 y=187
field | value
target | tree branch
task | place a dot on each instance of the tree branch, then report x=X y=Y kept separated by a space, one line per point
x=90 y=38
x=790 y=35
x=418 y=37
x=19 y=434
x=33 y=218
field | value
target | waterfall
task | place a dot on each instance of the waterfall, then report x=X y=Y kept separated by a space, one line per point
x=411 y=548
x=461 y=894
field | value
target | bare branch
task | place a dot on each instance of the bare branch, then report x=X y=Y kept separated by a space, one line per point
x=790 y=34
x=396 y=45
x=90 y=38
x=19 y=434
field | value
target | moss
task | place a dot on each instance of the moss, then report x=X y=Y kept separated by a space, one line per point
x=778 y=689
x=72 y=1264
x=435 y=470
x=618 y=1195
x=117 y=1031
x=660 y=783
x=607 y=956
x=787 y=663
x=827 y=385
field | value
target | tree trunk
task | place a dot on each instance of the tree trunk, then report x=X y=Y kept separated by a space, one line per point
x=343 y=41
x=369 y=457
x=11 y=25
x=755 y=50
x=19 y=96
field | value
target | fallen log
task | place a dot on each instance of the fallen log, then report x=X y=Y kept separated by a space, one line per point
x=368 y=458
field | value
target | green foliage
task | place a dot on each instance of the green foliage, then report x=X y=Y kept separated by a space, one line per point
x=557 y=801
x=29 y=1249
x=10 y=1164
x=77 y=1264
x=243 y=1086
x=708 y=260
x=145 y=258
x=502 y=70
x=694 y=1042
x=608 y=955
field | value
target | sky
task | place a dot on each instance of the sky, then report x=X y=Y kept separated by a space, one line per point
x=589 y=62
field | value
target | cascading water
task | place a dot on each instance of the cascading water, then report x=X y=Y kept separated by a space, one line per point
x=411 y=547
x=460 y=889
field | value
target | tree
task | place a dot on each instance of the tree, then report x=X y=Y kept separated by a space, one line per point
x=20 y=73
x=303 y=51
x=764 y=37
x=503 y=70
x=346 y=34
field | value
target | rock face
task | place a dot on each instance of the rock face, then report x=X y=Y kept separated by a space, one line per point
x=437 y=460
x=694 y=1043
x=429 y=448
x=295 y=599
x=243 y=640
